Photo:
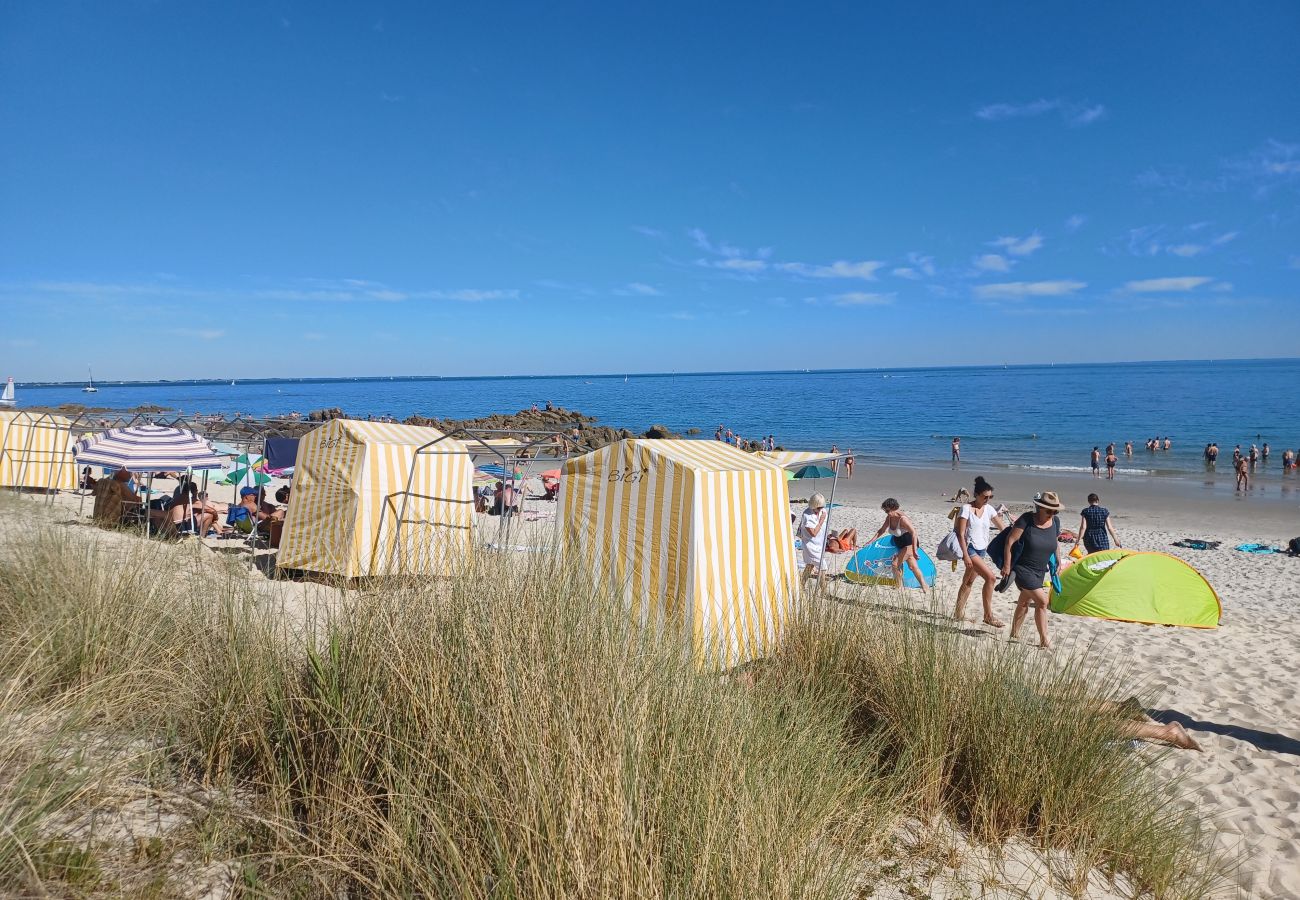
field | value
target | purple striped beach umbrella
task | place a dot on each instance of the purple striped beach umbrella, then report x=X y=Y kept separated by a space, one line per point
x=148 y=448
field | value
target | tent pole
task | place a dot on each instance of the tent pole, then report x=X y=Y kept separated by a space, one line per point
x=148 y=493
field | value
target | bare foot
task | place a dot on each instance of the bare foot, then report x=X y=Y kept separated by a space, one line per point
x=1178 y=736
x=995 y=622
x=1047 y=646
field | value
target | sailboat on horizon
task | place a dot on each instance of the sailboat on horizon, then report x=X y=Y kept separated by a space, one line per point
x=7 y=398
x=90 y=384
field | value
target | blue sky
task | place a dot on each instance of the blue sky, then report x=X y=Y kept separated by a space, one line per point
x=410 y=188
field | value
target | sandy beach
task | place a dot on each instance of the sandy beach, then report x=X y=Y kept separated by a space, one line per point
x=1233 y=688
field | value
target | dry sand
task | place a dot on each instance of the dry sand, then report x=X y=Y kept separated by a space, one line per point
x=1234 y=688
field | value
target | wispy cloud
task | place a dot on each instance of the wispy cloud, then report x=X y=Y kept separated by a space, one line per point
x=862 y=298
x=201 y=334
x=865 y=270
x=312 y=336
x=1019 y=290
x=918 y=266
x=1072 y=113
x=992 y=262
x=647 y=231
x=347 y=290
x=1017 y=246
x=681 y=315
x=1075 y=222
x=1166 y=285
x=746 y=264
x=1272 y=166
x=639 y=289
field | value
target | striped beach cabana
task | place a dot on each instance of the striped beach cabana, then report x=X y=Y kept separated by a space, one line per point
x=371 y=498
x=791 y=458
x=692 y=533
x=36 y=451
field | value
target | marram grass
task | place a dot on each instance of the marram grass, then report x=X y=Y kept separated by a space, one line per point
x=512 y=733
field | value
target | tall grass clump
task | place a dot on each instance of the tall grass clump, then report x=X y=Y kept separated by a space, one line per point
x=512 y=732
x=1008 y=744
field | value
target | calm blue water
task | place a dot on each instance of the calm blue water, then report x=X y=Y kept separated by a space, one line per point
x=1020 y=416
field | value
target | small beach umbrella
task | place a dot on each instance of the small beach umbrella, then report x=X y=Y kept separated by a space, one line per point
x=497 y=470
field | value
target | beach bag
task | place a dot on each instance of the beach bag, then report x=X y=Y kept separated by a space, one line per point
x=949 y=549
x=1293 y=547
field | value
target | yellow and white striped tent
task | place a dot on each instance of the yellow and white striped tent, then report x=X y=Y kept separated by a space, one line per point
x=692 y=533
x=350 y=513
x=36 y=451
x=790 y=458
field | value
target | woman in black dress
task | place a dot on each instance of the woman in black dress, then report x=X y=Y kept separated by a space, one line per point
x=1038 y=533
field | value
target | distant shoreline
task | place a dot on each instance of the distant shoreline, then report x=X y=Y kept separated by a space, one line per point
x=344 y=379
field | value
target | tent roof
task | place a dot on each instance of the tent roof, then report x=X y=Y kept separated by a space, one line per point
x=788 y=458
x=703 y=456
x=23 y=417
x=397 y=435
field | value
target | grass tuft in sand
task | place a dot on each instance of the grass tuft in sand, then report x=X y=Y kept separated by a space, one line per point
x=511 y=733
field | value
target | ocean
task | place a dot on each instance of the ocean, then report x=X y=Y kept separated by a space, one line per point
x=1031 y=417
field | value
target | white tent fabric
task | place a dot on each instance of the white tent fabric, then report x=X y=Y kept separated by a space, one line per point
x=148 y=448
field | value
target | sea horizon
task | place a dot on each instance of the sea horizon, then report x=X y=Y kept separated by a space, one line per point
x=326 y=379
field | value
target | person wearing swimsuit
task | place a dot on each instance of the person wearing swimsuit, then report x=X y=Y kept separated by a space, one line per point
x=902 y=534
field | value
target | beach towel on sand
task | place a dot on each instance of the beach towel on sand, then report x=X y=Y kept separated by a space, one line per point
x=1197 y=544
x=1258 y=548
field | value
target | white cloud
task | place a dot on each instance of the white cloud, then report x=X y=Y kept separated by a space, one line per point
x=918 y=266
x=1075 y=222
x=202 y=334
x=1226 y=237
x=734 y=264
x=906 y=272
x=997 y=112
x=861 y=298
x=1222 y=287
x=682 y=316
x=1086 y=116
x=647 y=231
x=1018 y=290
x=468 y=295
x=1073 y=113
x=1186 y=250
x=992 y=262
x=1165 y=285
x=641 y=289
x=1019 y=246
x=865 y=270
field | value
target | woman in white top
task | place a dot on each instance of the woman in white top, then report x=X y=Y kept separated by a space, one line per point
x=812 y=535
x=974 y=527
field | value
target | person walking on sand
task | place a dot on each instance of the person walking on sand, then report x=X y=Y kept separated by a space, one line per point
x=1038 y=532
x=812 y=538
x=902 y=534
x=1243 y=474
x=835 y=463
x=1095 y=530
x=974 y=527
x=956 y=450
x=1095 y=462
x=848 y=464
x=1111 y=460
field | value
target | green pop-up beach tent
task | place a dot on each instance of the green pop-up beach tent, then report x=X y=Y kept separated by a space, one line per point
x=1128 y=586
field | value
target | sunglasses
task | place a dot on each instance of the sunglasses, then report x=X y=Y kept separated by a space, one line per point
x=986 y=496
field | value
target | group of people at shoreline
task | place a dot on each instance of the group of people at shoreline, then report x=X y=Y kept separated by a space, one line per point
x=993 y=549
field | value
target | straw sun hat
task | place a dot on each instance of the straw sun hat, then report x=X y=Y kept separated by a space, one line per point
x=1048 y=500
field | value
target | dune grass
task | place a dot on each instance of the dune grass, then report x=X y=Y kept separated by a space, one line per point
x=511 y=733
